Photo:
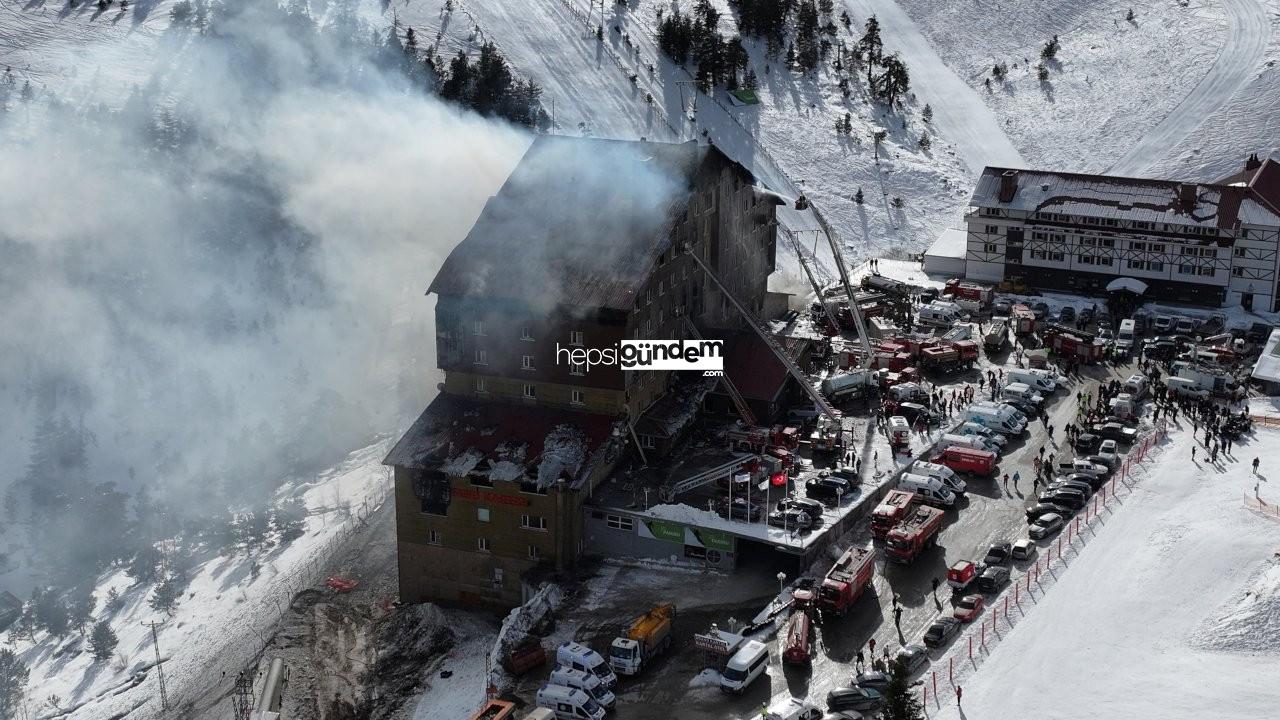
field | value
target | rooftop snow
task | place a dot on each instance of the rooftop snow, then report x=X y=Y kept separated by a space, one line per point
x=1268 y=365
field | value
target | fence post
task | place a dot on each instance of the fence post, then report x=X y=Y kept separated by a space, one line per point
x=951 y=669
x=935 y=683
x=970 y=647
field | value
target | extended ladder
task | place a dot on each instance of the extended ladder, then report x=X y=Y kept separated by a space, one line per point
x=773 y=345
x=813 y=281
x=739 y=402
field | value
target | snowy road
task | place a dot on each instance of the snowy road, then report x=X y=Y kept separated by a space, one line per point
x=1246 y=44
x=958 y=110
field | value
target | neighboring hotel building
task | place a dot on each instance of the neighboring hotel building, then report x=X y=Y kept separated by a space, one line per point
x=1209 y=244
x=580 y=248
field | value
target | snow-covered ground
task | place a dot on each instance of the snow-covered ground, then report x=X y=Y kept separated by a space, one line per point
x=219 y=624
x=1170 y=610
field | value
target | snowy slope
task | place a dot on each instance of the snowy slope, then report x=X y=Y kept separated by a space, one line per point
x=219 y=624
x=1169 y=611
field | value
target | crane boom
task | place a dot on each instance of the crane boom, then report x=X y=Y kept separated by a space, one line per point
x=813 y=281
x=739 y=402
x=865 y=362
x=772 y=344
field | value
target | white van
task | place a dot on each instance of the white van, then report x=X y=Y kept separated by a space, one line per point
x=991 y=436
x=1185 y=388
x=580 y=657
x=1001 y=418
x=930 y=490
x=977 y=442
x=1136 y=386
x=1021 y=391
x=586 y=682
x=943 y=473
x=541 y=713
x=569 y=703
x=1126 y=337
x=1042 y=381
x=749 y=663
x=939 y=313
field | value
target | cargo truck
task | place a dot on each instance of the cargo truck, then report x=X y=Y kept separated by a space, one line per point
x=647 y=638
x=846 y=580
x=914 y=534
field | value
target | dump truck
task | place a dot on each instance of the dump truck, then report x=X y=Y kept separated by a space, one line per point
x=914 y=534
x=890 y=511
x=846 y=580
x=647 y=638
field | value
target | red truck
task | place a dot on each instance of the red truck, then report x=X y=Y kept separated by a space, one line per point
x=846 y=580
x=890 y=510
x=914 y=534
x=1073 y=343
x=795 y=638
x=967 y=460
x=756 y=439
x=968 y=291
x=1023 y=320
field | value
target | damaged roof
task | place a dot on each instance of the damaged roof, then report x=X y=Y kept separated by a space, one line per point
x=502 y=442
x=579 y=222
x=1135 y=199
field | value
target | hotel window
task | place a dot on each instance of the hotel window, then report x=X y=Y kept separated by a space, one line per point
x=1156 y=247
x=617 y=522
x=1106 y=242
x=497 y=577
x=576 y=398
x=526 y=333
x=533 y=522
x=530 y=392
x=481 y=386
x=1136 y=264
x=662 y=288
x=1056 y=256
x=526 y=362
x=478 y=327
x=646 y=441
x=1207 y=270
x=578 y=369
x=989 y=247
x=1237 y=272
x=482 y=514
x=1084 y=259
x=482 y=357
x=1104 y=261
x=435 y=538
x=575 y=337
x=1137 y=246
x=1155 y=267
x=1039 y=236
x=534 y=553
x=993 y=229
x=1186 y=269
x=482 y=544
x=1238 y=252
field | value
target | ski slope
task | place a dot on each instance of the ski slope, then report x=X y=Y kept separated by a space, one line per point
x=958 y=110
x=1172 y=611
x=1248 y=30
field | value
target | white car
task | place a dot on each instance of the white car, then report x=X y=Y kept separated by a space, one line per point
x=1023 y=549
x=793 y=709
x=1045 y=526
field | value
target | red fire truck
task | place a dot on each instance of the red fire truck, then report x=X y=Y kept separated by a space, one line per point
x=915 y=533
x=966 y=460
x=968 y=291
x=795 y=638
x=756 y=439
x=890 y=510
x=846 y=580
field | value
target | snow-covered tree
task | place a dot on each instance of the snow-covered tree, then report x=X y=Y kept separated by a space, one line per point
x=13 y=683
x=289 y=519
x=165 y=597
x=925 y=143
x=102 y=640
x=900 y=700
x=927 y=113
x=858 y=197
x=80 y=607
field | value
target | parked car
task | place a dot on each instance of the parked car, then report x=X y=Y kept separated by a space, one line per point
x=1046 y=526
x=1040 y=310
x=1067 y=314
x=1039 y=510
x=792 y=519
x=941 y=631
x=1024 y=549
x=854 y=698
x=1073 y=499
x=1026 y=407
x=740 y=509
x=1109 y=460
x=913 y=657
x=1162 y=323
x=998 y=554
x=812 y=507
x=1093 y=481
x=792 y=709
x=1078 y=485
x=827 y=488
x=1114 y=431
x=873 y=679
x=992 y=579
x=1108 y=446
x=1087 y=442
x=917 y=412
x=968 y=608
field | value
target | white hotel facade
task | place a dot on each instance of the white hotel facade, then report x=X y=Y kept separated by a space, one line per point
x=1212 y=244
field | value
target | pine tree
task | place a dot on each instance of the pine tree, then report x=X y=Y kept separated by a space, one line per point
x=927 y=114
x=102 y=640
x=165 y=597
x=13 y=682
x=826 y=7
x=900 y=703
x=894 y=82
x=791 y=55
x=925 y=142
x=114 y=602
x=289 y=519
x=857 y=197
x=871 y=46
x=1042 y=72
x=411 y=42
x=1050 y=50
x=898 y=203
x=999 y=71
x=144 y=565
x=80 y=608
x=1129 y=15
x=51 y=613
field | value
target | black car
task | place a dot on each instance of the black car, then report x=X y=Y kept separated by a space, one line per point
x=942 y=630
x=916 y=411
x=827 y=488
x=1093 y=481
x=1087 y=443
x=854 y=698
x=791 y=519
x=1073 y=499
x=1067 y=315
x=740 y=509
x=873 y=679
x=1114 y=431
x=1023 y=406
x=1043 y=508
x=1063 y=484
x=998 y=554
x=992 y=579
x=812 y=507
x=1040 y=310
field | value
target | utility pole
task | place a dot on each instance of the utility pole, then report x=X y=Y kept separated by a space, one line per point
x=155 y=643
x=242 y=698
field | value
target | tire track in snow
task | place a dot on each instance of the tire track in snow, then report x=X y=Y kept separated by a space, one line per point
x=958 y=110
x=1247 y=34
